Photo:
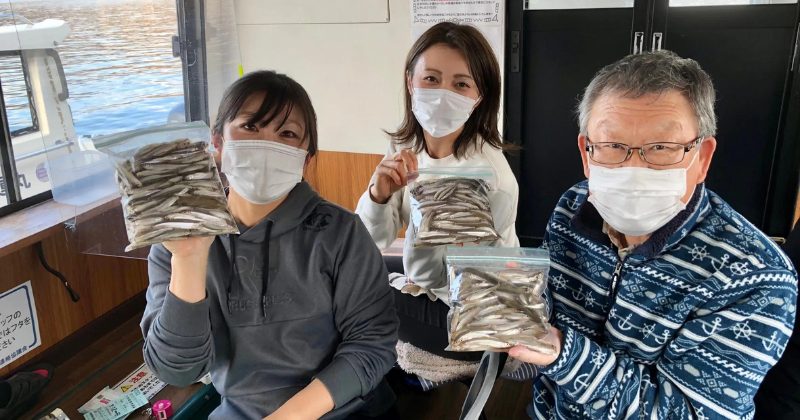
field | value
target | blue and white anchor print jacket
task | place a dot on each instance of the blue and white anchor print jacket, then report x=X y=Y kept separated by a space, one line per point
x=685 y=327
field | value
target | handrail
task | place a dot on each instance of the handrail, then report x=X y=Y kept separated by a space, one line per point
x=64 y=95
x=43 y=151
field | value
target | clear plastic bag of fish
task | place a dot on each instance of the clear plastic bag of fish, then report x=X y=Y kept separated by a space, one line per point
x=451 y=206
x=169 y=183
x=496 y=299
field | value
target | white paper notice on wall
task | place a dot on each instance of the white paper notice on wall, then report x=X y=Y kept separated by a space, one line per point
x=19 y=326
x=488 y=16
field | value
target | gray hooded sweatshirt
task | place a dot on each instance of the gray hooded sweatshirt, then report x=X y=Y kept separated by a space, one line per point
x=324 y=311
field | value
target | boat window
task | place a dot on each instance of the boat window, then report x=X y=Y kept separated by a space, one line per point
x=76 y=69
x=17 y=95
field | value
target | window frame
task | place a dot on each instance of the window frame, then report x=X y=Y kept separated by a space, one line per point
x=191 y=31
x=34 y=126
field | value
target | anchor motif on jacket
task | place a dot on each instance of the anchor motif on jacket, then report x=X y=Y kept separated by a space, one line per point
x=714 y=326
x=578 y=295
x=772 y=343
x=581 y=382
x=625 y=324
x=540 y=397
x=781 y=349
x=572 y=204
x=722 y=263
x=664 y=338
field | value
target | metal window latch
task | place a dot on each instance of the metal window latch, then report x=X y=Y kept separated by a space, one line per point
x=176 y=46
x=658 y=38
x=515 y=44
x=638 y=42
x=179 y=47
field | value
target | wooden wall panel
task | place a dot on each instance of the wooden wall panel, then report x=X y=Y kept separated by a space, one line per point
x=342 y=177
x=102 y=282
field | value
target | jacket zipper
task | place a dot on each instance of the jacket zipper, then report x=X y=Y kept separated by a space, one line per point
x=615 y=279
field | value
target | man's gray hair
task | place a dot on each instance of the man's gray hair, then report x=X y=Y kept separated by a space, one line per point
x=654 y=73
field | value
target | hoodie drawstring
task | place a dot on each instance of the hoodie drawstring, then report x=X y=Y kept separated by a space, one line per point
x=234 y=272
x=265 y=270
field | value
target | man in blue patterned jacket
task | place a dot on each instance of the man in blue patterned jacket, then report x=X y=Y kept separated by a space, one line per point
x=668 y=304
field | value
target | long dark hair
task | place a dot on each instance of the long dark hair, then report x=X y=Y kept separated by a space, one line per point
x=282 y=95
x=482 y=124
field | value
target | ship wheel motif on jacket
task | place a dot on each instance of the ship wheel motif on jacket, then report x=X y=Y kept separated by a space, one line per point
x=739 y=268
x=598 y=358
x=590 y=301
x=559 y=282
x=698 y=253
x=742 y=330
x=700 y=415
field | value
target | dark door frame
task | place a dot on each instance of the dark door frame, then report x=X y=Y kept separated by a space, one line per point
x=192 y=37
x=651 y=16
x=784 y=187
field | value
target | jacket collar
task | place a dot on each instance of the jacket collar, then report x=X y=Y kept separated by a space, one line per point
x=588 y=222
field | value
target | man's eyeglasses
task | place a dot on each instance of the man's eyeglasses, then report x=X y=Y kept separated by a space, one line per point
x=659 y=154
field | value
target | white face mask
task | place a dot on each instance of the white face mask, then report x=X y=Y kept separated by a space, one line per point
x=637 y=201
x=441 y=112
x=262 y=171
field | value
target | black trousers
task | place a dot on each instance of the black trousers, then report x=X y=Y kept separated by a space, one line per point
x=391 y=414
x=423 y=324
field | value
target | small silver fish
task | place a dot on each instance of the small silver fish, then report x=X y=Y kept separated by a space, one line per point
x=171 y=190
x=125 y=171
x=497 y=309
x=152 y=234
x=195 y=168
x=159 y=178
x=199 y=176
x=482 y=344
x=537 y=345
x=470 y=334
x=179 y=225
x=474 y=295
x=151 y=172
x=167 y=203
x=163 y=166
x=466 y=317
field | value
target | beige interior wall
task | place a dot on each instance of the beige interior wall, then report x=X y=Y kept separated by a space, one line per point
x=349 y=59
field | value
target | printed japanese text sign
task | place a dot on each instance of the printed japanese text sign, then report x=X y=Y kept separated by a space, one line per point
x=143 y=380
x=488 y=16
x=19 y=326
x=474 y=12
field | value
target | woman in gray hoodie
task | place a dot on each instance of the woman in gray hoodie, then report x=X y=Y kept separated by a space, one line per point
x=293 y=317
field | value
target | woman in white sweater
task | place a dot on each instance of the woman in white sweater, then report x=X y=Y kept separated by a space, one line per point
x=452 y=102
